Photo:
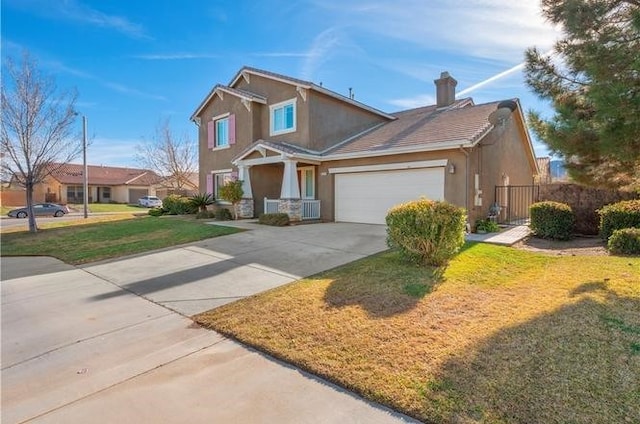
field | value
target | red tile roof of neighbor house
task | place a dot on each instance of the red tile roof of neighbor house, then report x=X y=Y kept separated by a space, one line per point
x=104 y=175
x=425 y=126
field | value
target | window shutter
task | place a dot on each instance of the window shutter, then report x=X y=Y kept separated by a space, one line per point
x=210 y=183
x=211 y=136
x=232 y=129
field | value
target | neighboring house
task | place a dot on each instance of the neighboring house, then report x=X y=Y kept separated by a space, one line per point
x=169 y=186
x=315 y=154
x=106 y=184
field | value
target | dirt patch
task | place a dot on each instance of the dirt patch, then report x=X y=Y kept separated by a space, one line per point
x=579 y=246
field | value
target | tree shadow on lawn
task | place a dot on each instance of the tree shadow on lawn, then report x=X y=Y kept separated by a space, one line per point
x=386 y=287
x=579 y=364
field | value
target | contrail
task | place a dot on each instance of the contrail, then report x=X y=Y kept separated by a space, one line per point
x=497 y=76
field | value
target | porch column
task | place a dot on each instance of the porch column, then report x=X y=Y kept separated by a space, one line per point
x=290 y=202
x=246 y=203
x=243 y=174
x=290 y=188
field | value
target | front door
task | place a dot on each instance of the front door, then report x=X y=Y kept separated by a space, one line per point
x=307 y=182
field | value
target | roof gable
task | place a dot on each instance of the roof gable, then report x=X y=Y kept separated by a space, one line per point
x=246 y=73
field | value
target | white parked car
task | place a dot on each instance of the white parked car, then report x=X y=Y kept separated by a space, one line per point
x=149 y=202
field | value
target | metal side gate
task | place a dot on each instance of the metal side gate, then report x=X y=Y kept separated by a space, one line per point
x=514 y=202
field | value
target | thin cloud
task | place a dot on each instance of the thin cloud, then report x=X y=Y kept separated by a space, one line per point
x=489 y=29
x=176 y=56
x=498 y=76
x=321 y=49
x=282 y=54
x=73 y=10
x=131 y=91
x=120 y=88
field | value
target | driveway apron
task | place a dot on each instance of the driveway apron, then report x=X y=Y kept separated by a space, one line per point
x=76 y=348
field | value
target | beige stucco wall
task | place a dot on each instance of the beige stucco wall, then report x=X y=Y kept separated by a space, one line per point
x=216 y=159
x=266 y=181
x=334 y=121
x=502 y=153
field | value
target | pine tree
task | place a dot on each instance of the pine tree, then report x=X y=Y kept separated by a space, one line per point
x=592 y=79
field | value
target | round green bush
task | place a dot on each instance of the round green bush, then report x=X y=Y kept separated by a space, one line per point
x=552 y=220
x=617 y=216
x=156 y=212
x=426 y=231
x=625 y=241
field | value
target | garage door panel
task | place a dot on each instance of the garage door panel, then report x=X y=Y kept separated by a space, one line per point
x=367 y=196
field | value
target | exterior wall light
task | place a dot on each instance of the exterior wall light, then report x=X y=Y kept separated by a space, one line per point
x=452 y=168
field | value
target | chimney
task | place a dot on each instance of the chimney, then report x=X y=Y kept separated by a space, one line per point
x=445 y=90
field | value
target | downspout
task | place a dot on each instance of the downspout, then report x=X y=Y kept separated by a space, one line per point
x=466 y=185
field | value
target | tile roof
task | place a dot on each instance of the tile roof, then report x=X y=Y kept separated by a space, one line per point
x=426 y=126
x=71 y=173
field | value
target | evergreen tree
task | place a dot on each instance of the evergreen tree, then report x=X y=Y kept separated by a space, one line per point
x=592 y=79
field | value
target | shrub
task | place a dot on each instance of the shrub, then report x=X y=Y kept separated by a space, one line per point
x=275 y=219
x=552 y=220
x=177 y=205
x=426 y=231
x=487 y=226
x=232 y=192
x=156 y=212
x=223 y=214
x=625 y=241
x=617 y=216
x=205 y=215
x=200 y=201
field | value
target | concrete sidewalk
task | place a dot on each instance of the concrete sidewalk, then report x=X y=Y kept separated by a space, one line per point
x=76 y=348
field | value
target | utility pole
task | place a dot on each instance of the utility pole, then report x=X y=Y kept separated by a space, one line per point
x=84 y=161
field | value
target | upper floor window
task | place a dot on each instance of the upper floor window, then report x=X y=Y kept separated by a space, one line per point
x=283 y=117
x=221 y=131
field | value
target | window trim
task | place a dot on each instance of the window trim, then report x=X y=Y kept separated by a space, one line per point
x=282 y=105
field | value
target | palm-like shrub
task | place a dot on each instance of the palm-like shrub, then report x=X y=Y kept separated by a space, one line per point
x=200 y=201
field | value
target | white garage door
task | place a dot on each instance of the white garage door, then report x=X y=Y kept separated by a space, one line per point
x=366 y=197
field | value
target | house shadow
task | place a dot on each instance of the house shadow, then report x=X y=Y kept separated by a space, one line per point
x=578 y=364
x=166 y=281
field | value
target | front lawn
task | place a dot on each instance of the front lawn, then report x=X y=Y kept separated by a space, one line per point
x=505 y=336
x=108 y=207
x=77 y=244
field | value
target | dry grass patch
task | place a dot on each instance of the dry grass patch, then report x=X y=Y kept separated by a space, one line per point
x=504 y=336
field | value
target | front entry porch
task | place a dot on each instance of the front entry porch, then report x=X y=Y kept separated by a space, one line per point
x=283 y=182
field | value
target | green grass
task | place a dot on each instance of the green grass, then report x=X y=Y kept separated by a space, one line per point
x=503 y=336
x=108 y=207
x=77 y=244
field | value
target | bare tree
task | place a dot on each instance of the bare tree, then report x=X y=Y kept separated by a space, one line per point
x=37 y=126
x=168 y=155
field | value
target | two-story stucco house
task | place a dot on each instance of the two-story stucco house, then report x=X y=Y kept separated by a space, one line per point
x=305 y=150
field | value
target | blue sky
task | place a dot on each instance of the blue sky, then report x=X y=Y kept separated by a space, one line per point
x=137 y=62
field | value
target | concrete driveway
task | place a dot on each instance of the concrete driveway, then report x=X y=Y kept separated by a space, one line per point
x=76 y=348
x=204 y=275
